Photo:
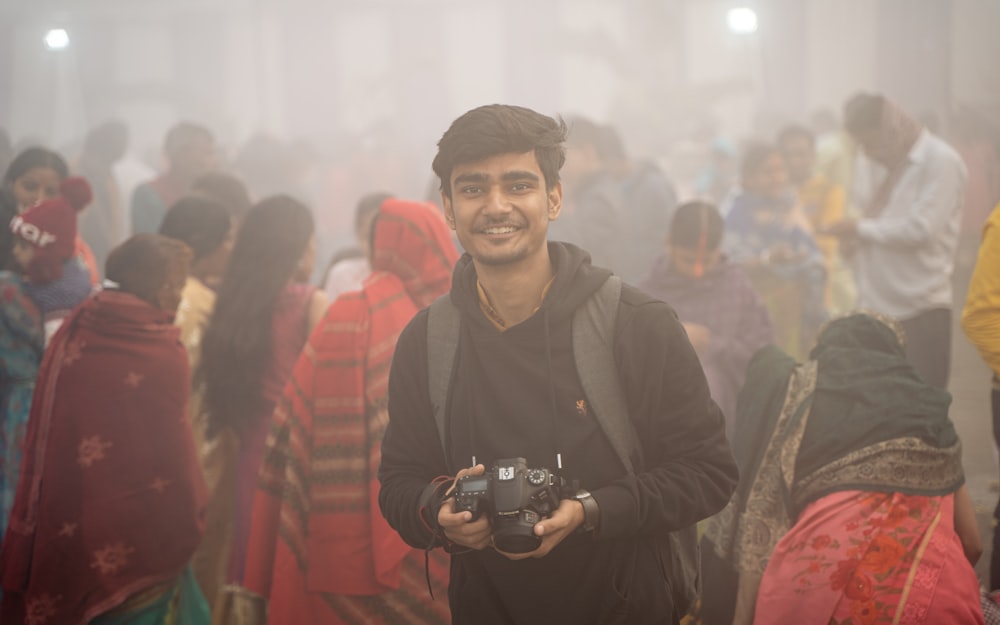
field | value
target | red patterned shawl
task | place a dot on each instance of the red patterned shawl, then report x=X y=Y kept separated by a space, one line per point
x=317 y=527
x=111 y=499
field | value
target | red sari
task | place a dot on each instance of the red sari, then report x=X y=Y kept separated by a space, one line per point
x=320 y=550
x=860 y=558
x=111 y=499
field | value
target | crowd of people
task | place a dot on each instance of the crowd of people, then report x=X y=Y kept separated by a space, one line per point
x=565 y=391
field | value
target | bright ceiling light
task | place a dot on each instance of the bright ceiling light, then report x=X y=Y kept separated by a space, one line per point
x=57 y=39
x=742 y=20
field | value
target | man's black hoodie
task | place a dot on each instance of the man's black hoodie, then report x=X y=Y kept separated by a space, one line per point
x=517 y=393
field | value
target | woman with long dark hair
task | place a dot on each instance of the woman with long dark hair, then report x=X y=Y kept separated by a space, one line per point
x=263 y=314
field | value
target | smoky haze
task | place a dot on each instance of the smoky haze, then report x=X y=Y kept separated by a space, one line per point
x=351 y=96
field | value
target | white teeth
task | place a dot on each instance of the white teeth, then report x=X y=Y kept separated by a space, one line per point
x=503 y=230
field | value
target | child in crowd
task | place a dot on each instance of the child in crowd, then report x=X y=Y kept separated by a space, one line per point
x=44 y=246
x=724 y=318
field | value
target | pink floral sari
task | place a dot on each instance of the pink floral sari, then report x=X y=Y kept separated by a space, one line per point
x=860 y=558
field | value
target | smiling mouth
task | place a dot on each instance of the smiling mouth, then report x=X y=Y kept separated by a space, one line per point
x=499 y=230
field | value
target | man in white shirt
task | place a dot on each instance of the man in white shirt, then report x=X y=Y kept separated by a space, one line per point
x=909 y=185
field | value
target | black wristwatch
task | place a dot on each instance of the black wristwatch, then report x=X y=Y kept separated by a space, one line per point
x=591 y=512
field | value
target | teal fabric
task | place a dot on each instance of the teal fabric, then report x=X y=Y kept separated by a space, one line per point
x=183 y=604
x=22 y=340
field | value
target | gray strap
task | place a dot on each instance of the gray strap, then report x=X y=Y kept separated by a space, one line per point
x=442 y=344
x=593 y=351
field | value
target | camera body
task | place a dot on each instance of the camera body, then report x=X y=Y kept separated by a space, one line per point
x=516 y=497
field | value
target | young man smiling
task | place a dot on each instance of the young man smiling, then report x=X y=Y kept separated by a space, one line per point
x=515 y=392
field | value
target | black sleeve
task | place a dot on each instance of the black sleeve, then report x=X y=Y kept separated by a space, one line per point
x=689 y=472
x=412 y=454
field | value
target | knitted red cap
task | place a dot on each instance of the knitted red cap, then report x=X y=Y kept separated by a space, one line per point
x=50 y=227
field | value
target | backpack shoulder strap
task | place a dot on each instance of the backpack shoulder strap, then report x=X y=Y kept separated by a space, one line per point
x=593 y=351
x=442 y=344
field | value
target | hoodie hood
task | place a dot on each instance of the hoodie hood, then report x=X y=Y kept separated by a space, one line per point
x=575 y=280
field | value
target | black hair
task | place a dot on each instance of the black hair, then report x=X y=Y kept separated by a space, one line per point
x=182 y=135
x=863 y=112
x=145 y=262
x=796 y=131
x=8 y=210
x=754 y=156
x=226 y=189
x=694 y=220
x=34 y=158
x=236 y=348
x=367 y=206
x=200 y=222
x=497 y=129
x=108 y=141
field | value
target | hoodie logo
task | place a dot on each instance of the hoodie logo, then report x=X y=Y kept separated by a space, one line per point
x=581 y=407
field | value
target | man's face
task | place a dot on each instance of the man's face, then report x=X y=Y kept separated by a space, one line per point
x=195 y=158
x=500 y=208
x=874 y=144
x=800 y=158
x=770 y=179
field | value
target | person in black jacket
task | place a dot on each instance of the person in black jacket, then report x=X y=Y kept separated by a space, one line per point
x=515 y=392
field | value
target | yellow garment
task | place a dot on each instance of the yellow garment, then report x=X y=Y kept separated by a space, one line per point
x=823 y=203
x=193 y=314
x=217 y=455
x=981 y=317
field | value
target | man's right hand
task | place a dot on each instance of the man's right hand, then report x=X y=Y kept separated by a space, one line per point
x=459 y=526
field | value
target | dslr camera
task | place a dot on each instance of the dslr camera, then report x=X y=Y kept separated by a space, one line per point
x=516 y=497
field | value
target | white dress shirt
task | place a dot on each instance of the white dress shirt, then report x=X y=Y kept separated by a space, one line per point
x=907 y=253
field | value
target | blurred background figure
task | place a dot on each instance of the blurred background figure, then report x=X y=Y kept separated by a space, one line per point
x=57 y=280
x=264 y=311
x=837 y=490
x=823 y=203
x=35 y=175
x=767 y=234
x=104 y=225
x=111 y=504
x=981 y=322
x=910 y=185
x=22 y=340
x=724 y=317
x=351 y=265
x=593 y=214
x=336 y=400
x=225 y=188
x=6 y=150
x=189 y=151
x=648 y=201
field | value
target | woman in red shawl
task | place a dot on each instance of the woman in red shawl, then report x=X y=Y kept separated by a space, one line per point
x=111 y=500
x=320 y=551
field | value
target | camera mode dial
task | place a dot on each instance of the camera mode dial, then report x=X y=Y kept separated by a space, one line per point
x=536 y=477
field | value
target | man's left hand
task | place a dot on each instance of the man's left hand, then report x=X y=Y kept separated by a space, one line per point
x=563 y=522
